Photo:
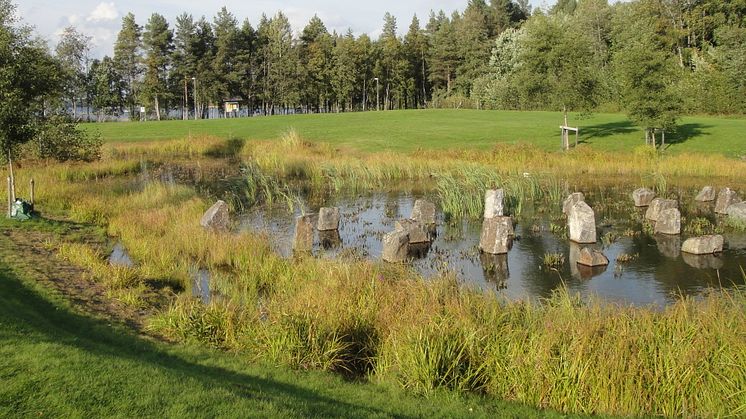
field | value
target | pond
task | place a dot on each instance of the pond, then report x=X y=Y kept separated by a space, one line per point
x=654 y=273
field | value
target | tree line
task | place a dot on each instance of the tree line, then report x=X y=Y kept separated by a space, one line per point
x=653 y=59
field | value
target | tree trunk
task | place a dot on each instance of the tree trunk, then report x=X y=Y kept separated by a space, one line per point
x=157 y=109
x=12 y=178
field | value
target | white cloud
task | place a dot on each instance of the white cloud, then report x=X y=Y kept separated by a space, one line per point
x=103 y=12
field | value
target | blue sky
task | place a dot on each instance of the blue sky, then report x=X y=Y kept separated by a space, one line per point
x=101 y=19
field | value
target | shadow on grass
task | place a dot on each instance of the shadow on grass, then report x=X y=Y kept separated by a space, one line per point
x=229 y=149
x=29 y=316
x=606 y=130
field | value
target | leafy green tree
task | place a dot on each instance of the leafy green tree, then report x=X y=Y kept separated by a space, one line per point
x=344 y=69
x=158 y=44
x=556 y=66
x=72 y=53
x=28 y=76
x=127 y=59
x=106 y=87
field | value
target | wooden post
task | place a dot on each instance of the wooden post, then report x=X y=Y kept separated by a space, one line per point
x=10 y=199
x=32 y=192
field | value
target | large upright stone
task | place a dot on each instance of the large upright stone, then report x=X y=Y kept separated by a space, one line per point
x=493 y=203
x=658 y=205
x=581 y=223
x=737 y=211
x=726 y=198
x=496 y=238
x=592 y=257
x=395 y=244
x=216 y=218
x=703 y=245
x=707 y=194
x=571 y=200
x=643 y=197
x=669 y=222
x=416 y=231
x=328 y=219
x=303 y=237
x=423 y=212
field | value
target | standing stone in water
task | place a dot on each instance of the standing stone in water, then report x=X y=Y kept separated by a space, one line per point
x=423 y=212
x=643 y=197
x=493 y=203
x=581 y=223
x=303 y=238
x=416 y=231
x=704 y=245
x=571 y=200
x=669 y=222
x=496 y=238
x=216 y=218
x=328 y=219
x=737 y=211
x=658 y=205
x=707 y=194
x=726 y=198
x=395 y=246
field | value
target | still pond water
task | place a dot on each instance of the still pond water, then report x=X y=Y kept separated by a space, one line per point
x=657 y=273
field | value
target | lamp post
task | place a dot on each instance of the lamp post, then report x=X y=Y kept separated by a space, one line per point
x=378 y=106
x=194 y=79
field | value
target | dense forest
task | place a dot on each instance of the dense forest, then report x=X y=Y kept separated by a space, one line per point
x=654 y=59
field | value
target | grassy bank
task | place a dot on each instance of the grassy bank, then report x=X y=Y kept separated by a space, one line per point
x=406 y=131
x=375 y=322
x=57 y=361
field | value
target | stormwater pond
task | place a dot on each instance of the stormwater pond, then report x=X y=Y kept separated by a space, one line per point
x=645 y=269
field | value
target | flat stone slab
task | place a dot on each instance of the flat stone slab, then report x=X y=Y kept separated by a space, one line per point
x=669 y=222
x=643 y=197
x=592 y=257
x=581 y=223
x=737 y=211
x=417 y=232
x=707 y=194
x=216 y=218
x=395 y=246
x=304 y=229
x=703 y=245
x=571 y=200
x=328 y=219
x=423 y=212
x=496 y=238
x=493 y=203
x=726 y=198
x=657 y=205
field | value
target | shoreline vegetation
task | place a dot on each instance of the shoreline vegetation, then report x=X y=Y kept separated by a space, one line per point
x=377 y=322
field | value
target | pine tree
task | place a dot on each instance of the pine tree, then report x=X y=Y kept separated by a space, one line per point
x=127 y=60
x=158 y=45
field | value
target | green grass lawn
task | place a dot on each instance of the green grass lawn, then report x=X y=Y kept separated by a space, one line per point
x=56 y=361
x=443 y=129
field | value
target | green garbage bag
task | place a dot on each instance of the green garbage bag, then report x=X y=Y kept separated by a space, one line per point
x=21 y=210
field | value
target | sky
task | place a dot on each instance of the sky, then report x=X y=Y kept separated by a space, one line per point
x=101 y=20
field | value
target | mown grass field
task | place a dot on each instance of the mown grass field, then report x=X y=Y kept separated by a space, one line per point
x=57 y=361
x=443 y=129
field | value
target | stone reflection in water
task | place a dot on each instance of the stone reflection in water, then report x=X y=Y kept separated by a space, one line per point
x=495 y=268
x=330 y=239
x=201 y=285
x=579 y=271
x=418 y=250
x=668 y=245
x=702 y=261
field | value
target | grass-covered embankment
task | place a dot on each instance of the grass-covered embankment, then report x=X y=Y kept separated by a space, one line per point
x=384 y=323
x=58 y=361
x=439 y=129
